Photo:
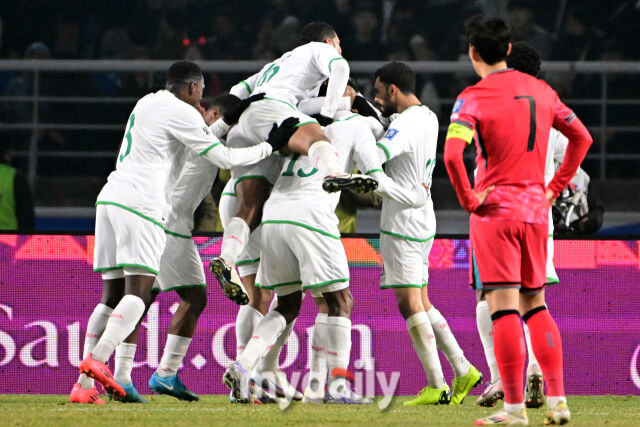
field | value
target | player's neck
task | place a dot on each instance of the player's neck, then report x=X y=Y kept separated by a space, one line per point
x=407 y=101
x=485 y=69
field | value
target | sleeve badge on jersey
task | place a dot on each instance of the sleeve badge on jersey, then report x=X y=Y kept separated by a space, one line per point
x=458 y=105
x=390 y=133
x=206 y=131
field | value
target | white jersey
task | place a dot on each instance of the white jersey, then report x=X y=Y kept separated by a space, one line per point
x=298 y=74
x=161 y=132
x=409 y=146
x=298 y=197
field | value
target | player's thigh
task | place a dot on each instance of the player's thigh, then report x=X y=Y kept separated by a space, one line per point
x=534 y=258
x=495 y=253
x=180 y=265
x=325 y=262
x=403 y=263
x=257 y=120
x=251 y=194
x=279 y=269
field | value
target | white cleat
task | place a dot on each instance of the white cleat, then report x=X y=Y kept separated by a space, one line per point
x=236 y=378
x=559 y=414
x=276 y=382
x=348 y=397
x=505 y=418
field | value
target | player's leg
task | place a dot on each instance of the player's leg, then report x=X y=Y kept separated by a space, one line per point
x=545 y=336
x=314 y=393
x=84 y=390
x=496 y=255
x=407 y=283
x=310 y=140
x=493 y=391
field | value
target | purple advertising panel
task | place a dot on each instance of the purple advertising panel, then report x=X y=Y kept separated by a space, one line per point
x=48 y=290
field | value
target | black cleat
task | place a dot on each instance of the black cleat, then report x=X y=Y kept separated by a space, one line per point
x=229 y=281
x=353 y=181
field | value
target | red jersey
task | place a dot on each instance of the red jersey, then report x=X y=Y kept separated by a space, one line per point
x=509 y=115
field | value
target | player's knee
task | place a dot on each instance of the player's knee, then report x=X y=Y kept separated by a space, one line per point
x=340 y=303
x=195 y=298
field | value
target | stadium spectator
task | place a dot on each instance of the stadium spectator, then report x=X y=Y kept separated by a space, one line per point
x=363 y=43
x=16 y=205
x=521 y=18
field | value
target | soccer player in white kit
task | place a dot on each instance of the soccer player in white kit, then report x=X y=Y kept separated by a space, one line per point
x=296 y=75
x=131 y=210
x=305 y=253
x=408 y=150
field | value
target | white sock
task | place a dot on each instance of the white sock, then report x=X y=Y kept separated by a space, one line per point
x=324 y=157
x=125 y=354
x=424 y=343
x=446 y=342
x=246 y=321
x=271 y=360
x=95 y=327
x=174 y=351
x=532 y=367
x=234 y=239
x=552 y=401
x=264 y=336
x=485 y=330
x=513 y=407
x=338 y=350
x=121 y=323
x=318 y=365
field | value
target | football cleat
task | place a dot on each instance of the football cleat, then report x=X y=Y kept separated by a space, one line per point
x=559 y=414
x=132 y=395
x=80 y=395
x=310 y=397
x=352 y=181
x=534 y=393
x=463 y=385
x=262 y=396
x=237 y=379
x=505 y=418
x=100 y=372
x=229 y=281
x=431 y=396
x=276 y=382
x=171 y=386
x=491 y=394
x=348 y=397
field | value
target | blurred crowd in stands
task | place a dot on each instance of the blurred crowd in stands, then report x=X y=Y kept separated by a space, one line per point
x=380 y=30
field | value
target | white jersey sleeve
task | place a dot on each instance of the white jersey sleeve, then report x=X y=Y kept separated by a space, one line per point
x=219 y=128
x=311 y=106
x=338 y=78
x=245 y=88
x=394 y=143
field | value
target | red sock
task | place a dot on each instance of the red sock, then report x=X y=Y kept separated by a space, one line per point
x=547 y=346
x=510 y=351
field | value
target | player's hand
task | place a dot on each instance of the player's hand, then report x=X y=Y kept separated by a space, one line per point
x=323 y=120
x=232 y=116
x=426 y=187
x=550 y=197
x=280 y=135
x=482 y=196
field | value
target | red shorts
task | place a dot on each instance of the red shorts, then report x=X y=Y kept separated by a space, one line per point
x=508 y=254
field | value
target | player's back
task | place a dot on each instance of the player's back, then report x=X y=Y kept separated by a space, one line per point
x=297 y=74
x=514 y=113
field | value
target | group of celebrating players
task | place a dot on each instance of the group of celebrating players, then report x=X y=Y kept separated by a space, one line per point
x=294 y=131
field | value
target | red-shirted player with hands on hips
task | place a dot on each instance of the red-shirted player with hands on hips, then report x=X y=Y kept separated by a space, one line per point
x=509 y=115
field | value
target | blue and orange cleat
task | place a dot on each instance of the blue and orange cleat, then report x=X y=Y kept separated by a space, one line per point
x=100 y=372
x=80 y=395
x=171 y=386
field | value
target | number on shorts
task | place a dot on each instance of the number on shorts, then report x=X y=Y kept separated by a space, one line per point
x=128 y=137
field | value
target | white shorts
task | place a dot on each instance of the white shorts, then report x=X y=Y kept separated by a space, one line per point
x=250 y=257
x=126 y=239
x=405 y=263
x=552 y=276
x=180 y=266
x=297 y=258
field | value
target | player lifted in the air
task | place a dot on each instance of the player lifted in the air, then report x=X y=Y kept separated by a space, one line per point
x=296 y=75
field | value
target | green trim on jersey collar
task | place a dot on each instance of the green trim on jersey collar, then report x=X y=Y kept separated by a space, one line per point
x=206 y=150
x=173 y=233
x=401 y=236
x=299 y=224
x=141 y=215
x=119 y=266
x=386 y=150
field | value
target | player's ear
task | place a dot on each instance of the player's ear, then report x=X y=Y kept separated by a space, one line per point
x=509 y=50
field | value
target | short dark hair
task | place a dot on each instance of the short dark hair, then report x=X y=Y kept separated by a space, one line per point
x=524 y=58
x=398 y=74
x=490 y=36
x=224 y=102
x=182 y=73
x=316 y=31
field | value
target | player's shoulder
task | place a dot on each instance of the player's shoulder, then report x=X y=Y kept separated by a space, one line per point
x=317 y=48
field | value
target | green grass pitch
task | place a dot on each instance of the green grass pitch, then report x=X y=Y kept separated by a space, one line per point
x=55 y=410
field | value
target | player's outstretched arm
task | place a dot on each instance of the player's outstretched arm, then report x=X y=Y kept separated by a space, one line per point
x=338 y=78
